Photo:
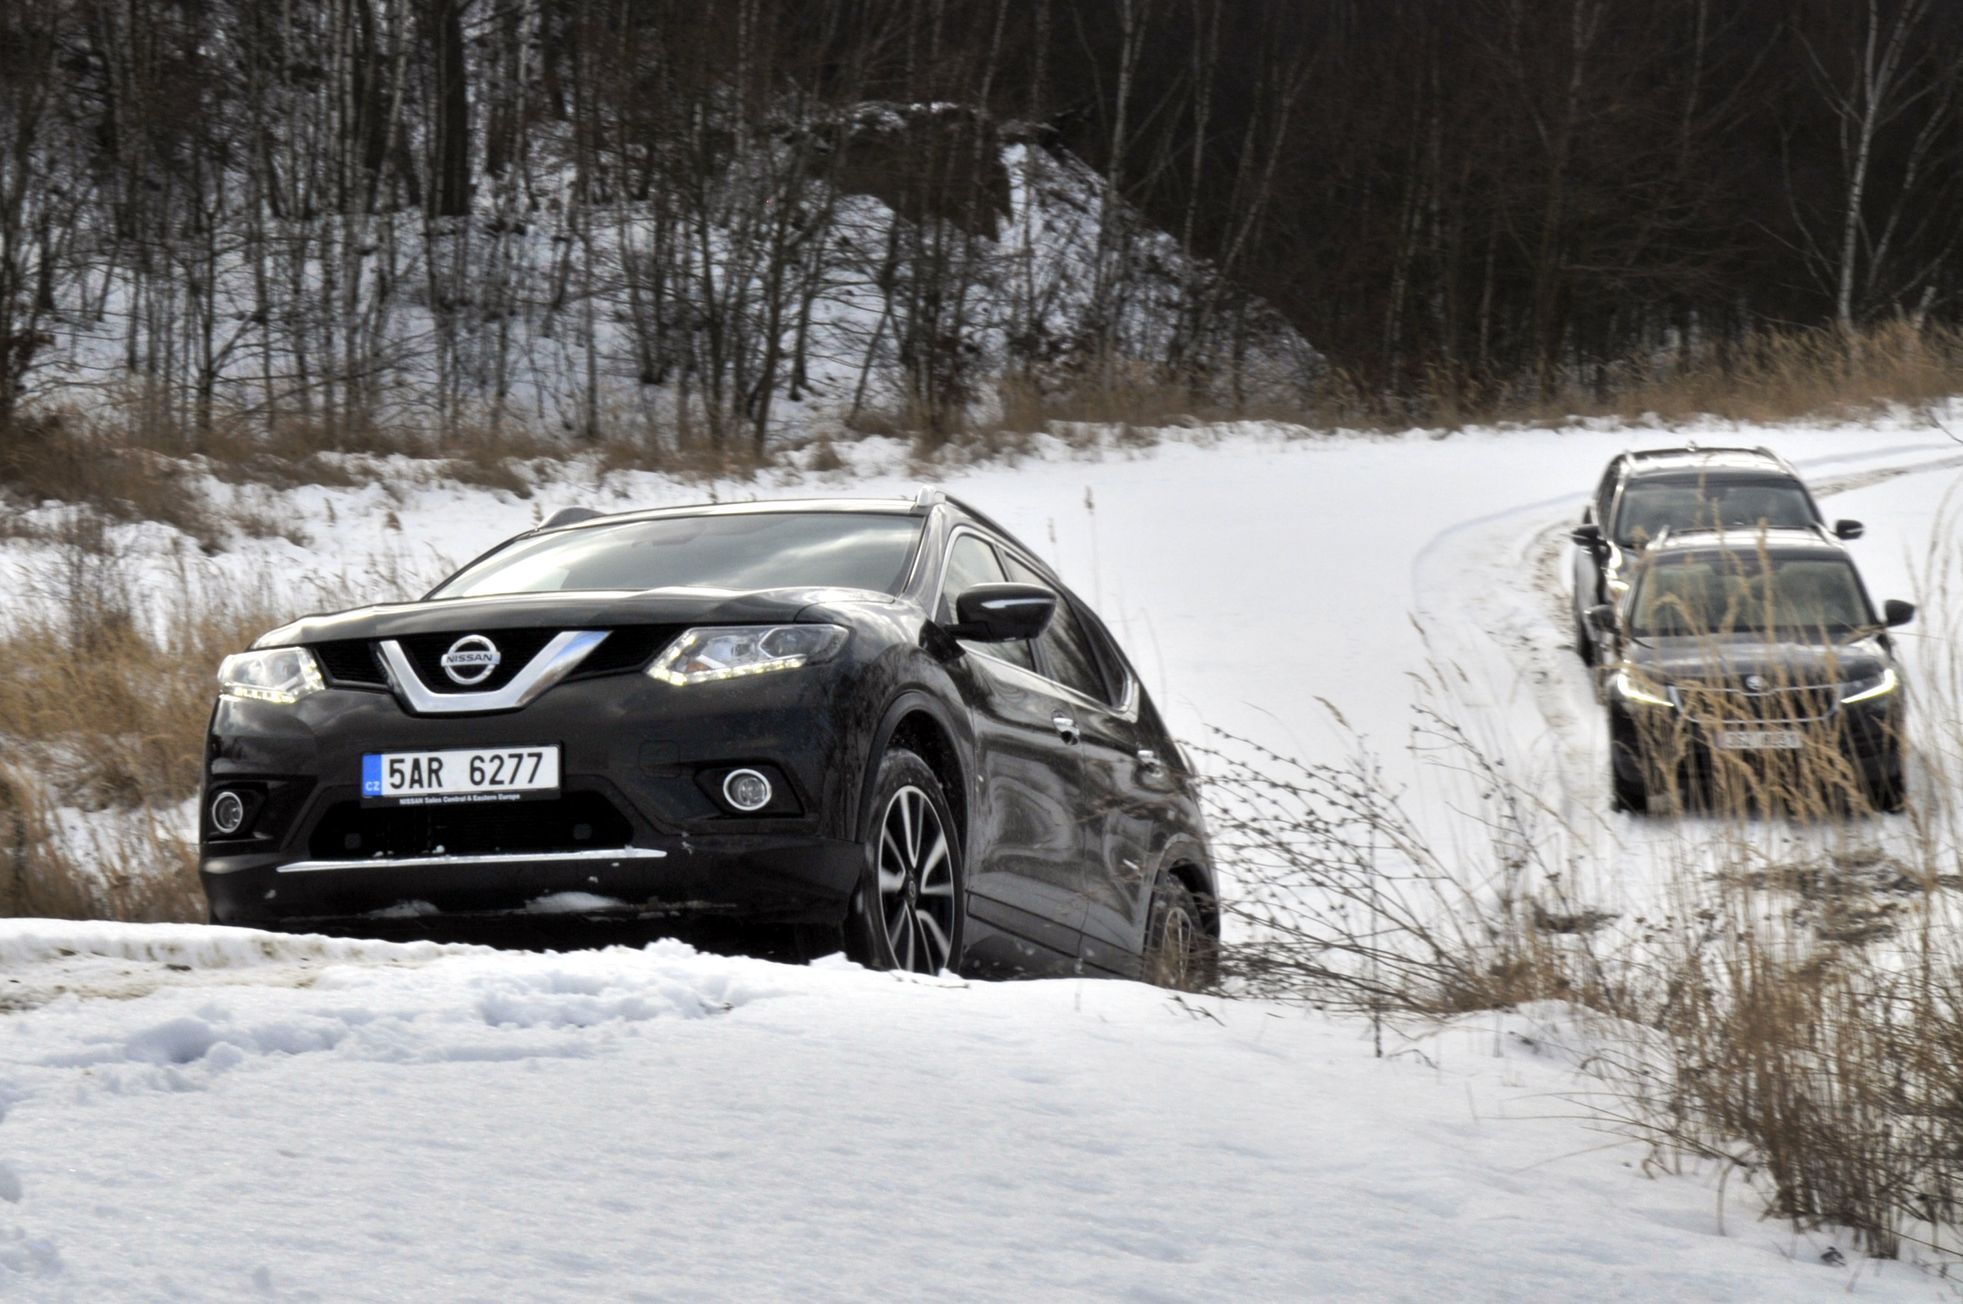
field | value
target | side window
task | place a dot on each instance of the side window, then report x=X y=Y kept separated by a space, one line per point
x=1605 y=494
x=972 y=561
x=1072 y=661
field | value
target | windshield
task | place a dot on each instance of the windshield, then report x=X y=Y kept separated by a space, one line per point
x=762 y=550
x=1650 y=507
x=1730 y=593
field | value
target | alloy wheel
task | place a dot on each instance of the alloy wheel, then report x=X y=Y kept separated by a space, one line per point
x=1175 y=958
x=916 y=882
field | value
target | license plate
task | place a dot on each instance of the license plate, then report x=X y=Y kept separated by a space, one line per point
x=460 y=777
x=1761 y=740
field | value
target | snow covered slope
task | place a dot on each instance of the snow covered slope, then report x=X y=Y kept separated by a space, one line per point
x=300 y=1120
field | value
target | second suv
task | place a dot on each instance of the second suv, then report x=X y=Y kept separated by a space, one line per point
x=1644 y=493
x=1753 y=670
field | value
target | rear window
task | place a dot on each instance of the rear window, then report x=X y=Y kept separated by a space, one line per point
x=763 y=550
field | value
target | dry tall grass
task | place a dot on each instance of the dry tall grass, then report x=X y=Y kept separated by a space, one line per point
x=103 y=709
x=1772 y=375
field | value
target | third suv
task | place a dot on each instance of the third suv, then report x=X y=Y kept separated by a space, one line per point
x=1644 y=493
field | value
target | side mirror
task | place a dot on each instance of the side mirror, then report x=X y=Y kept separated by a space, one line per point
x=1002 y=613
x=1848 y=529
x=1896 y=612
x=1588 y=536
x=1602 y=617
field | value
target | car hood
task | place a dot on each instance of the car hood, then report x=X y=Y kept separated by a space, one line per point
x=582 y=610
x=1730 y=661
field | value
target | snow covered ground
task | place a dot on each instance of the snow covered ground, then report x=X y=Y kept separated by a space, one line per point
x=364 y=1121
x=293 y=1119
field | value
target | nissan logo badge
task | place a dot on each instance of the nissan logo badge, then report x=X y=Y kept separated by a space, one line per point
x=1755 y=683
x=471 y=659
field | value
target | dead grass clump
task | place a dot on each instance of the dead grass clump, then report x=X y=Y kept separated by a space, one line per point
x=1768 y=376
x=132 y=869
x=51 y=458
x=102 y=714
x=115 y=713
x=485 y=467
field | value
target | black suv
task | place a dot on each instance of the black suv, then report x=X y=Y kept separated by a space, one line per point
x=1755 y=669
x=884 y=723
x=1644 y=493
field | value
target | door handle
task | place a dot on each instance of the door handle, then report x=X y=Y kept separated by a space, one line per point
x=1066 y=727
x=1149 y=759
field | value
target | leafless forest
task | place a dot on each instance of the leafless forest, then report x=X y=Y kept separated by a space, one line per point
x=701 y=224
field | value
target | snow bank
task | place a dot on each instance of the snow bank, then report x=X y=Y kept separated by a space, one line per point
x=663 y=1124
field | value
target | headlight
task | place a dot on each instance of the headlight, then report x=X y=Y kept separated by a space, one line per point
x=704 y=655
x=276 y=674
x=1866 y=690
x=1635 y=687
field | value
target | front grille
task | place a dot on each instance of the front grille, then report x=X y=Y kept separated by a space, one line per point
x=516 y=648
x=1737 y=708
x=626 y=649
x=578 y=821
x=351 y=663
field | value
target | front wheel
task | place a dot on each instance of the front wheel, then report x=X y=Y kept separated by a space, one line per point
x=1179 y=953
x=910 y=906
x=1889 y=793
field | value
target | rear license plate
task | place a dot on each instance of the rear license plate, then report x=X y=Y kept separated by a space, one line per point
x=459 y=777
x=1761 y=740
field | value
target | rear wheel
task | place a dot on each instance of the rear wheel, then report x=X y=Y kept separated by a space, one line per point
x=1179 y=953
x=909 y=908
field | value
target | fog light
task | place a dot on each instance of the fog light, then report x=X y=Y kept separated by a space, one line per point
x=227 y=812
x=746 y=790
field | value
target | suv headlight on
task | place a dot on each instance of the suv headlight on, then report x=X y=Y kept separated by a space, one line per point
x=1866 y=690
x=705 y=655
x=275 y=674
x=1636 y=688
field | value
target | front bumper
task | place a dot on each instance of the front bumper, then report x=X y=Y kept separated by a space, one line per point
x=636 y=830
x=762 y=878
x=1657 y=743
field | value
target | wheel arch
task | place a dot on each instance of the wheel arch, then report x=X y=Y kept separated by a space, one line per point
x=1186 y=862
x=917 y=722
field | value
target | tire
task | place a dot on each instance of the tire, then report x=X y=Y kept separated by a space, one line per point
x=910 y=908
x=1626 y=795
x=1889 y=795
x=1179 y=953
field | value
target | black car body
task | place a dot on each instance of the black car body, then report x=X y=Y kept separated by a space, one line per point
x=1753 y=669
x=1073 y=834
x=1643 y=493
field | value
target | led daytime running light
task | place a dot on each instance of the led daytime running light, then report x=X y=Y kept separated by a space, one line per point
x=1884 y=683
x=1631 y=688
x=715 y=653
x=279 y=675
